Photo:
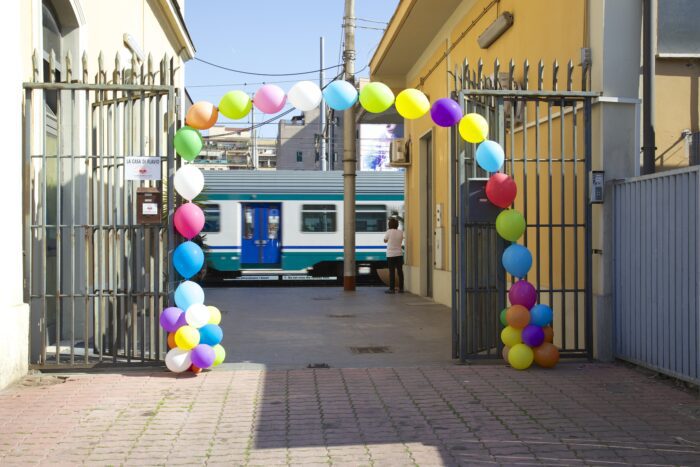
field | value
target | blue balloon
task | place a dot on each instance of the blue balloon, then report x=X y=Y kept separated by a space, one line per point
x=210 y=334
x=490 y=156
x=188 y=293
x=188 y=259
x=517 y=260
x=340 y=95
x=541 y=315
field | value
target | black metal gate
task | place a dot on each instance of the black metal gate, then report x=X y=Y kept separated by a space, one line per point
x=95 y=279
x=546 y=135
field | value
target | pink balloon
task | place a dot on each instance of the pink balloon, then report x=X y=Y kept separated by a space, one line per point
x=188 y=220
x=269 y=99
x=522 y=293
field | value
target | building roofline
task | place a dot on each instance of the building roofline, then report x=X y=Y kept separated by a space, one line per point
x=177 y=21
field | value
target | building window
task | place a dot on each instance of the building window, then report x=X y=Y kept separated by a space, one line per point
x=248 y=223
x=212 y=218
x=300 y=156
x=370 y=218
x=318 y=218
x=677 y=31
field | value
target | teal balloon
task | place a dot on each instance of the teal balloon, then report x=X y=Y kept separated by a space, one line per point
x=188 y=293
x=188 y=259
x=490 y=156
x=517 y=260
x=340 y=95
x=541 y=315
x=210 y=334
x=188 y=143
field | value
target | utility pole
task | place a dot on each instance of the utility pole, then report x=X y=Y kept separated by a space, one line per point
x=649 y=135
x=322 y=119
x=253 y=143
x=349 y=153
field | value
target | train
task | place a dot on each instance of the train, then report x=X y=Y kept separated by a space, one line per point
x=291 y=222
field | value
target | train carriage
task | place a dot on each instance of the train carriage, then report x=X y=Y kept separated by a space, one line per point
x=275 y=222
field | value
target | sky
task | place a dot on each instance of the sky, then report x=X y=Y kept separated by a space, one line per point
x=273 y=36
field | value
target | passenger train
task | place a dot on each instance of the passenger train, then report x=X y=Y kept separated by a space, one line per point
x=275 y=222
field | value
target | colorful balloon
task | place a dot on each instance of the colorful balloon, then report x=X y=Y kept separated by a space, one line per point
x=523 y=293
x=504 y=352
x=340 y=95
x=520 y=357
x=446 y=112
x=305 y=95
x=269 y=99
x=473 y=128
x=178 y=360
x=188 y=293
x=202 y=115
x=504 y=322
x=214 y=315
x=188 y=259
x=376 y=97
x=188 y=181
x=210 y=334
x=542 y=315
x=188 y=220
x=197 y=315
x=169 y=318
x=203 y=356
x=501 y=190
x=532 y=335
x=511 y=336
x=517 y=316
x=188 y=143
x=411 y=104
x=548 y=334
x=220 y=354
x=490 y=156
x=235 y=105
x=195 y=369
x=546 y=355
x=517 y=260
x=186 y=337
x=510 y=225
x=171 y=340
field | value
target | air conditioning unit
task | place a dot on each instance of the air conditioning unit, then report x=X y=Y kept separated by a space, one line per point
x=399 y=152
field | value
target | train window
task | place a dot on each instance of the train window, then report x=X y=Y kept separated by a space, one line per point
x=370 y=218
x=248 y=223
x=212 y=218
x=318 y=218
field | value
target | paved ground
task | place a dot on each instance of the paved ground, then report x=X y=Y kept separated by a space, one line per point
x=408 y=407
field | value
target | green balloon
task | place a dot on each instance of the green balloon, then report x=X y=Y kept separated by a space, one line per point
x=235 y=105
x=503 y=317
x=510 y=224
x=220 y=354
x=188 y=143
x=376 y=97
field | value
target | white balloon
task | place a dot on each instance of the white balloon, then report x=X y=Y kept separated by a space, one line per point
x=197 y=315
x=189 y=181
x=178 y=360
x=305 y=95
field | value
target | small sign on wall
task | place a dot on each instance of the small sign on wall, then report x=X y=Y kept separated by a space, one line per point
x=142 y=168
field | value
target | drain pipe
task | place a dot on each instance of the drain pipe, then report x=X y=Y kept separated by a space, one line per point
x=649 y=143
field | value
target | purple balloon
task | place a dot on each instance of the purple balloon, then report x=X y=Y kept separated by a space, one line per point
x=523 y=293
x=170 y=318
x=203 y=356
x=446 y=112
x=532 y=335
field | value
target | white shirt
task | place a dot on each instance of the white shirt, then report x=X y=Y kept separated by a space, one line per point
x=393 y=239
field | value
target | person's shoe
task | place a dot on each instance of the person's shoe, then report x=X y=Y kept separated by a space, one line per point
x=389 y=291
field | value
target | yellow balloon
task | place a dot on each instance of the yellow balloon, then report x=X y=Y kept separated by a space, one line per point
x=510 y=336
x=520 y=357
x=473 y=128
x=376 y=97
x=187 y=337
x=220 y=355
x=214 y=315
x=412 y=104
x=235 y=105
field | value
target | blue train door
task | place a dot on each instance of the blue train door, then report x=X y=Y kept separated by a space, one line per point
x=261 y=235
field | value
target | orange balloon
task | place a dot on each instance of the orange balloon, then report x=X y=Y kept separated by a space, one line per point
x=546 y=355
x=195 y=369
x=504 y=352
x=548 y=334
x=171 y=340
x=202 y=115
x=518 y=316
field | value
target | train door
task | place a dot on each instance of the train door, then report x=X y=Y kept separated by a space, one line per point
x=261 y=236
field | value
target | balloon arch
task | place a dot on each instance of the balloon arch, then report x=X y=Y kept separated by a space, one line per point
x=194 y=335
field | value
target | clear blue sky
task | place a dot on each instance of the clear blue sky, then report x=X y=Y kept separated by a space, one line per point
x=272 y=36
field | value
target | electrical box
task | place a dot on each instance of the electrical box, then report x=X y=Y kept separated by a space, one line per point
x=479 y=209
x=596 y=186
x=438 y=215
x=148 y=206
x=437 y=243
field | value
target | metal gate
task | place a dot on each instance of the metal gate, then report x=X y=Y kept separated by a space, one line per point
x=546 y=135
x=94 y=279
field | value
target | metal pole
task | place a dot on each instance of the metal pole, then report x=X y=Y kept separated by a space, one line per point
x=254 y=152
x=322 y=119
x=349 y=155
x=649 y=144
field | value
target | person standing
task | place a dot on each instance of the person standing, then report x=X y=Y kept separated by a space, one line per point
x=394 y=254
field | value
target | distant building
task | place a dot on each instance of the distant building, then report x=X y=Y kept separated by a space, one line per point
x=298 y=142
x=232 y=149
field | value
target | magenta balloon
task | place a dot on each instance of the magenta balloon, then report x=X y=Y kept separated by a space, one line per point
x=203 y=356
x=269 y=99
x=189 y=220
x=446 y=112
x=170 y=317
x=523 y=293
x=532 y=335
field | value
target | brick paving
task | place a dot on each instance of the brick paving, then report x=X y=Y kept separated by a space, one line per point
x=590 y=414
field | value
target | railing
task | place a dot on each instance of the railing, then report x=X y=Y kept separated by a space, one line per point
x=657 y=265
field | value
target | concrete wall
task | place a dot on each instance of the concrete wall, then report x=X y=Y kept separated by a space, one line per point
x=293 y=137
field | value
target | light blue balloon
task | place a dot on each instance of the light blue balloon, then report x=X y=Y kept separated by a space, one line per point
x=541 y=315
x=188 y=293
x=340 y=95
x=210 y=334
x=490 y=156
x=188 y=259
x=517 y=260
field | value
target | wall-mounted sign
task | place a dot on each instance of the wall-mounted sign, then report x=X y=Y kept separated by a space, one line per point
x=142 y=168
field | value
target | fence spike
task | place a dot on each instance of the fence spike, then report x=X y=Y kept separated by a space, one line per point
x=496 y=74
x=117 y=66
x=164 y=70
x=540 y=75
x=149 y=62
x=555 y=75
x=35 y=66
x=479 y=74
x=569 y=75
x=52 y=67
x=465 y=72
x=85 y=67
x=526 y=73
x=134 y=67
x=101 y=68
x=69 y=67
x=511 y=73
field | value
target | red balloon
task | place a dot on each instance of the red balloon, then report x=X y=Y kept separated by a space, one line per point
x=546 y=355
x=501 y=190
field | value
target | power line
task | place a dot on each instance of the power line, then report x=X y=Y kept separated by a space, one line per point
x=223 y=85
x=262 y=74
x=368 y=20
